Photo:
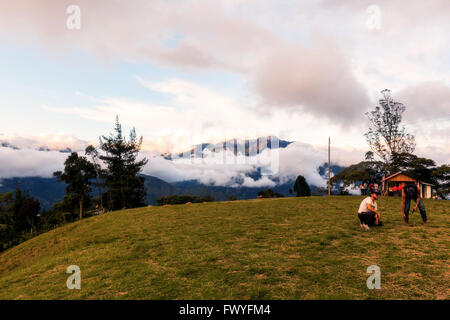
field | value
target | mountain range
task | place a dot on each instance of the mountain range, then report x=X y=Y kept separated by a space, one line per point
x=246 y=147
x=48 y=190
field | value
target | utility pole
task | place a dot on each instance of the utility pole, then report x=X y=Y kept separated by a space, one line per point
x=329 y=168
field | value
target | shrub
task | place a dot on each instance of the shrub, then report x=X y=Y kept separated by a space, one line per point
x=182 y=199
x=269 y=193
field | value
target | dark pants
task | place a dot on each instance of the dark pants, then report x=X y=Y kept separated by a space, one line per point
x=367 y=218
x=421 y=207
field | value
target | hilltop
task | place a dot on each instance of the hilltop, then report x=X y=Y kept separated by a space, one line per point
x=288 y=248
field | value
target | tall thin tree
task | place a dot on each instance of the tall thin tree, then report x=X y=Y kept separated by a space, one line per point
x=386 y=136
x=100 y=173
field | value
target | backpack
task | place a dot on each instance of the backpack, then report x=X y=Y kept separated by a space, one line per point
x=411 y=191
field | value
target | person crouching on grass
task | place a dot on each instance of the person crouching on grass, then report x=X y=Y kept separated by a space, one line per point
x=367 y=213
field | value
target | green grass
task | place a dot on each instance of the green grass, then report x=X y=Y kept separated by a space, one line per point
x=293 y=248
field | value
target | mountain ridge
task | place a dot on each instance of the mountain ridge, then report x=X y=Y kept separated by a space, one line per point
x=48 y=191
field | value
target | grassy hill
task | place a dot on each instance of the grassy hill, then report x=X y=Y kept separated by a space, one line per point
x=291 y=248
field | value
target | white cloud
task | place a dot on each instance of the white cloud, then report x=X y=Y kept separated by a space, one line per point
x=315 y=79
x=211 y=35
x=426 y=101
x=310 y=67
x=46 y=141
x=198 y=113
x=225 y=169
x=29 y=163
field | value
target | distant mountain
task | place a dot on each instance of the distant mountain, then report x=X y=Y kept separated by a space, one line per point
x=48 y=190
x=6 y=144
x=221 y=193
x=237 y=146
x=323 y=170
x=46 y=149
x=157 y=188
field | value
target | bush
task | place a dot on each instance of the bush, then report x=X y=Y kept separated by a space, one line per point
x=269 y=193
x=301 y=187
x=183 y=199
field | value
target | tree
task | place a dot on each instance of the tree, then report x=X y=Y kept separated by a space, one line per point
x=269 y=193
x=371 y=171
x=386 y=136
x=412 y=165
x=441 y=176
x=126 y=188
x=301 y=187
x=18 y=213
x=78 y=173
x=27 y=215
x=6 y=220
x=100 y=173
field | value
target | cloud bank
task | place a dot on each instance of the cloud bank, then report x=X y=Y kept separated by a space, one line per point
x=297 y=158
x=314 y=78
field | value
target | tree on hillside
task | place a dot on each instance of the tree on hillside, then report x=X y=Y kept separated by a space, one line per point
x=412 y=165
x=386 y=135
x=442 y=177
x=126 y=188
x=78 y=173
x=25 y=211
x=6 y=220
x=371 y=171
x=301 y=187
x=269 y=193
x=100 y=173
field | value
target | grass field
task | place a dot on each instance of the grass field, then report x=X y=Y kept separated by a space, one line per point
x=291 y=248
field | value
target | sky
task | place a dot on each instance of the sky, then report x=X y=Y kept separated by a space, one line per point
x=186 y=72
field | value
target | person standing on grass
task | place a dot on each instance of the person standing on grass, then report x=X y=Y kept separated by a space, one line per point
x=367 y=212
x=364 y=188
x=410 y=192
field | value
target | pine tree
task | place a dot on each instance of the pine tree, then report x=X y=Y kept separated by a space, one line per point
x=126 y=188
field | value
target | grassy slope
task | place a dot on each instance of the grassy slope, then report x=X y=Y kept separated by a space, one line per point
x=294 y=248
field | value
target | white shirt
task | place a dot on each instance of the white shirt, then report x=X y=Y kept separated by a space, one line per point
x=364 y=206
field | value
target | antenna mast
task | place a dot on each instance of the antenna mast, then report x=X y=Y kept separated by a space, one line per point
x=329 y=167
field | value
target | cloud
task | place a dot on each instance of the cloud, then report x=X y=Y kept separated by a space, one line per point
x=204 y=35
x=45 y=141
x=304 y=159
x=197 y=113
x=296 y=159
x=218 y=168
x=426 y=101
x=427 y=117
x=29 y=163
x=310 y=67
x=114 y=29
x=316 y=79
